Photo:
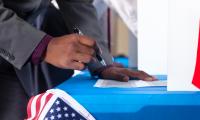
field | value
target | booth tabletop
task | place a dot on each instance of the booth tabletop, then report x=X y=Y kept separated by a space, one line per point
x=147 y=103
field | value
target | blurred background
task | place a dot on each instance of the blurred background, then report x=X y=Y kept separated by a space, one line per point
x=118 y=20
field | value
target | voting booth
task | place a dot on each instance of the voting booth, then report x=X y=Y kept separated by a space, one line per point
x=152 y=36
x=183 y=58
x=168 y=35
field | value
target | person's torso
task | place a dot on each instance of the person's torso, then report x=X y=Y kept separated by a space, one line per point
x=22 y=7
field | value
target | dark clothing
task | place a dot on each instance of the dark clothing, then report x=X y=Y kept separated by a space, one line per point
x=23 y=24
x=43 y=75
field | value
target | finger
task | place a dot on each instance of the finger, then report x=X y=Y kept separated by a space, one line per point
x=84 y=58
x=115 y=76
x=138 y=74
x=76 y=65
x=146 y=76
x=120 y=77
x=86 y=41
x=85 y=49
x=130 y=73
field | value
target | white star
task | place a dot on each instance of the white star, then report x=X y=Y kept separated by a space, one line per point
x=57 y=102
x=59 y=116
x=58 y=109
x=65 y=108
x=52 y=117
x=73 y=114
x=51 y=111
x=66 y=115
x=46 y=119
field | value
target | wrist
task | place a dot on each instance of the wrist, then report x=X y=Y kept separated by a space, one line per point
x=99 y=71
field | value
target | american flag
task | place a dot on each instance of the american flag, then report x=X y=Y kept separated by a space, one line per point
x=56 y=104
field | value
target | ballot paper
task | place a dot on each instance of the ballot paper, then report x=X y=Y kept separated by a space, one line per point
x=103 y=83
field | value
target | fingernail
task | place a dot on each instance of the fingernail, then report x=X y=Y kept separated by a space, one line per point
x=149 y=78
x=126 y=78
x=154 y=78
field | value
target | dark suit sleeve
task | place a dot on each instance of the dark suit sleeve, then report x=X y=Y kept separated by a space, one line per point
x=18 y=39
x=82 y=14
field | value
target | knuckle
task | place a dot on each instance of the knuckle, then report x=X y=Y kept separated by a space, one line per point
x=88 y=58
x=92 y=51
x=71 y=46
x=90 y=41
x=65 y=64
x=74 y=37
x=93 y=42
x=141 y=71
x=80 y=67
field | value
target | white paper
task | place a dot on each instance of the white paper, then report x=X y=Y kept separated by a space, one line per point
x=102 y=83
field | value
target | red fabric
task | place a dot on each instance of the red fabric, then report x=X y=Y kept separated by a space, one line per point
x=37 y=105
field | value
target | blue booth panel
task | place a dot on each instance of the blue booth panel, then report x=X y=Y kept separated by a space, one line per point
x=148 y=103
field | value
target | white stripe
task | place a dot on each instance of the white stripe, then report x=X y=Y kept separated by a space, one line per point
x=33 y=107
x=47 y=107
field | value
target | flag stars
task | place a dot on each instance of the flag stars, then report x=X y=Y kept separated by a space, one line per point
x=73 y=114
x=52 y=111
x=52 y=117
x=65 y=108
x=66 y=115
x=57 y=102
x=59 y=116
x=58 y=109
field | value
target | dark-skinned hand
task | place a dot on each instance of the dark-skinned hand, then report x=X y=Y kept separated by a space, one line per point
x=117 y=72
x=70 y=51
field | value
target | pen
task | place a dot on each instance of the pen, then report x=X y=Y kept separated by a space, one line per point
x=97 y=49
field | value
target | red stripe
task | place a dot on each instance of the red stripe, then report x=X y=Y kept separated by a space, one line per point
x=196 y=77
x=48 y=97
x=38 y=105
x=29 y=107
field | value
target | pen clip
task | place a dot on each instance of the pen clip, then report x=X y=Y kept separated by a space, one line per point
x=78 y=31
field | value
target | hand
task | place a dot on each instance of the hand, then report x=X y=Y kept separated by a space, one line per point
x=70 y=51
x=118 y=72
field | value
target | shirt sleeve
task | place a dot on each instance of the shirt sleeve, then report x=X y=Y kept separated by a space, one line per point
x=40 y=50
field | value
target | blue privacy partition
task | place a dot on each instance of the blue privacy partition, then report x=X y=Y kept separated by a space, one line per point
x=149 y=103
